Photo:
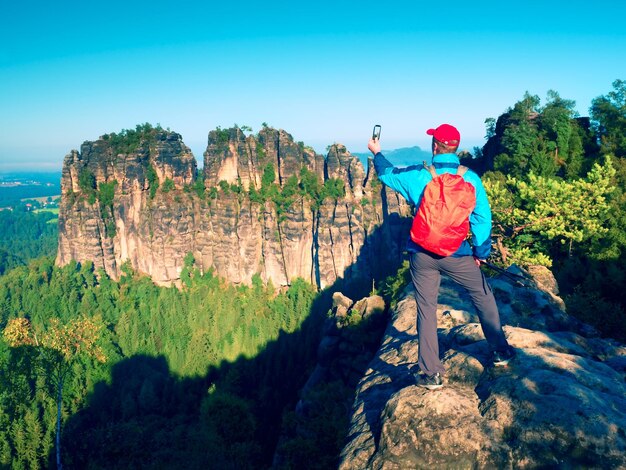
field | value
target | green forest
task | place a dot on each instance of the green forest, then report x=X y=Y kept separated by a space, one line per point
x=26 y=236
x=557 y=186
x=199 y=375
x=97 y=373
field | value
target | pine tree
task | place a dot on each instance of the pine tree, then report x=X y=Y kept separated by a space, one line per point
x=58 y=347
x=609 y=115
x=529 y=216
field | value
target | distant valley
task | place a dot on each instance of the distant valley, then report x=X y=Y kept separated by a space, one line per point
x=405 y=156
x=17 y=186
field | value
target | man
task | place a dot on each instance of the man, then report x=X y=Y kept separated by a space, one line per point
x=462 y=266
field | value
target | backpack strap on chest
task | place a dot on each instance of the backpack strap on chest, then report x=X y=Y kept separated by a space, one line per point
x=460 y=170
x=431 y=169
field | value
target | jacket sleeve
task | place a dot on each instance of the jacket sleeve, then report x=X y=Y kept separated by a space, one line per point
x=480 y=221
x=403 y=180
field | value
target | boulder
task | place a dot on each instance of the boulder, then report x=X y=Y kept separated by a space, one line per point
x=560 y=403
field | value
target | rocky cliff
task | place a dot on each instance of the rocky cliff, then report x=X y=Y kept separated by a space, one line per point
x=560 y=403
x=263 y=204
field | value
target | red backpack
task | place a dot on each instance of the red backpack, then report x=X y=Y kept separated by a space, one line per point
x=442 y=220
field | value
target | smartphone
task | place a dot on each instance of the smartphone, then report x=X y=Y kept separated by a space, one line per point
x=376 y=132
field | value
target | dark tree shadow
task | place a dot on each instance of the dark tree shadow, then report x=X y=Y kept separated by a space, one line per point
x=146 y=416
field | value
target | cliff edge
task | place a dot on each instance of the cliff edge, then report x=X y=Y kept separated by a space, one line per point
x=560 y=403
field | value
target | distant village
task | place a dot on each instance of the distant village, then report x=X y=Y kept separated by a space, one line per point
x=50 y=202
x=14 y=183
x=28 y=205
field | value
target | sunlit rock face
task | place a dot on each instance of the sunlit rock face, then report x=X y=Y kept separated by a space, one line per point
x=560 y=403
x=160 y=212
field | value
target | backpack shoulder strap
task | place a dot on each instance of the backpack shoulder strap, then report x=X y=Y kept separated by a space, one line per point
x=431 y=169
x=461 y=170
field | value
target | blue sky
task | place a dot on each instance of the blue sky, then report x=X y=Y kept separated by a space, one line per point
x=323 y=71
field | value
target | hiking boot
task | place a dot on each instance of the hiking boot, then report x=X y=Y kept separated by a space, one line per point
x=502 y=358
x=431 y=382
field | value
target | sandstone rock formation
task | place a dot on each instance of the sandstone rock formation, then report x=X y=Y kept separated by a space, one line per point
x=159 y=212
x=561 y=403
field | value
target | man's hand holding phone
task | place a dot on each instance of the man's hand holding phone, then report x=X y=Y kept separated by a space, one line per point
x=376 y=132
x=374 y=144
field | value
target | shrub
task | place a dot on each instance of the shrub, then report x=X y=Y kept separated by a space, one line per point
x=168 y=185
x=153 y=180
x=198 y=186
x=224 y=186
x=86 y=180
x=130 y=140
x=106 y=193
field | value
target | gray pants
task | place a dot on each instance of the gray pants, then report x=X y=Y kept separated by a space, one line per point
x=426 y=272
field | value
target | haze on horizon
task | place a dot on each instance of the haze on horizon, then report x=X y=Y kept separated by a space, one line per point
x=324 y=72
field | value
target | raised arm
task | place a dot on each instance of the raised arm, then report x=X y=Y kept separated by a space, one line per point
x=409 y=182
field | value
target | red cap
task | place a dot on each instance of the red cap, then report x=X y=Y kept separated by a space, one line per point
x=446 y=134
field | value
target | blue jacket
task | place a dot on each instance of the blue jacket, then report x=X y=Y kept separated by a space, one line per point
x=410 y=183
